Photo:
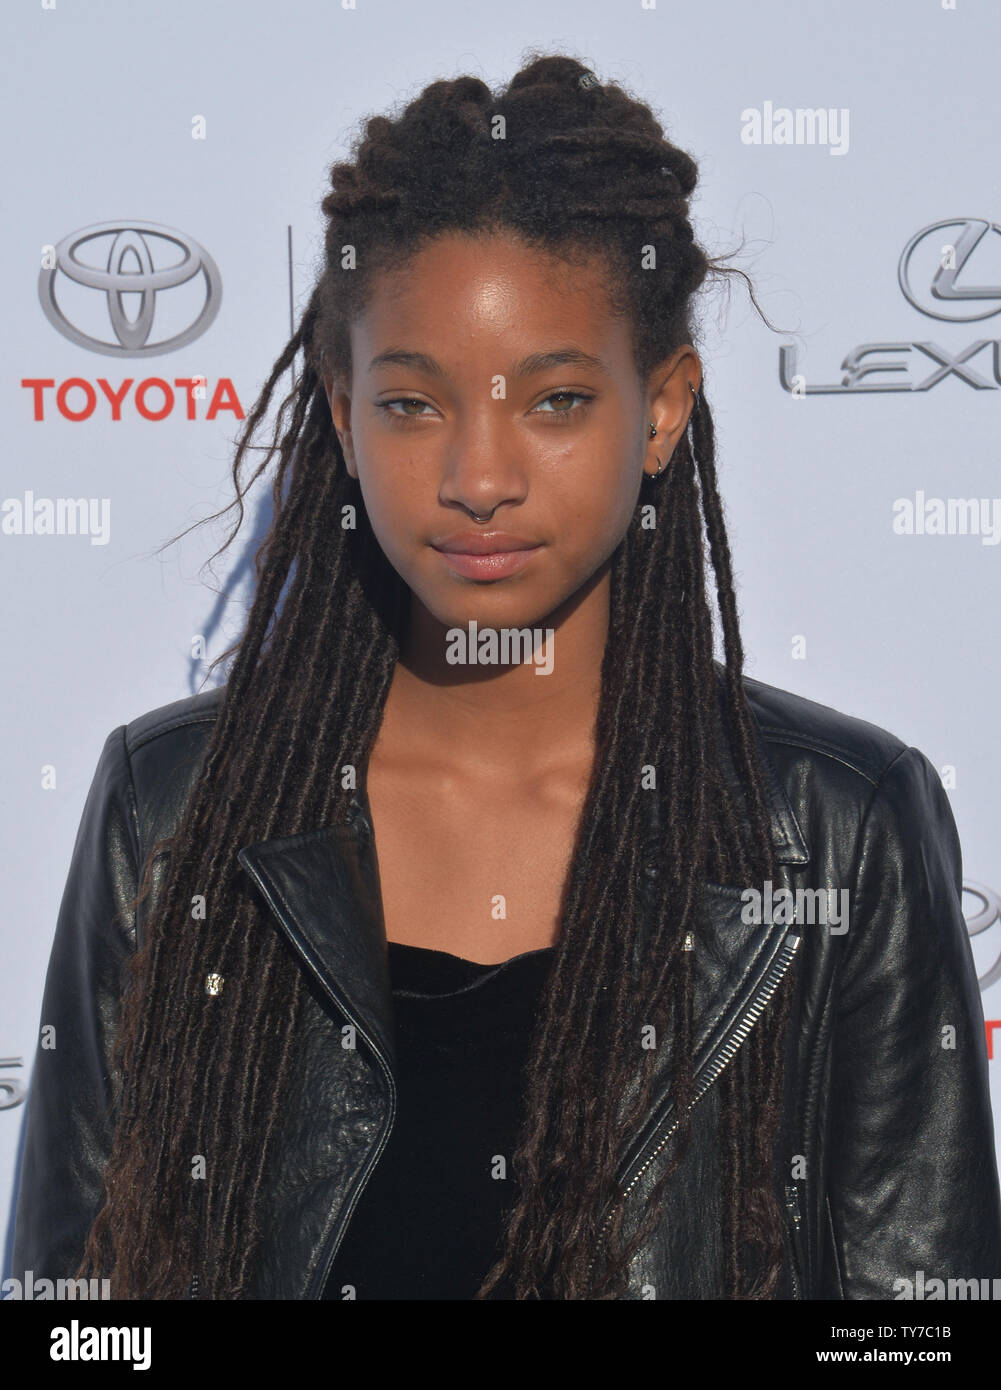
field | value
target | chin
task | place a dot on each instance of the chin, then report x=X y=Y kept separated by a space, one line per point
x=487 y=606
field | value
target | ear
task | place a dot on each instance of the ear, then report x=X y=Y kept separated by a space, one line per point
x=671 y=390
x=340 y=413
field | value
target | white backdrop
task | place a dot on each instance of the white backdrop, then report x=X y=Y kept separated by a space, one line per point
x=217 y=123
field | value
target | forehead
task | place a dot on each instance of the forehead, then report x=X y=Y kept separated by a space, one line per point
x=469 y=291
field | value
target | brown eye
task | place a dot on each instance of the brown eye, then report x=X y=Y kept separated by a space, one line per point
x=402 y=400
x=564 y=396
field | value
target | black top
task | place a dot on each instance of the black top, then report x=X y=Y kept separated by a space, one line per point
x=428 y=1221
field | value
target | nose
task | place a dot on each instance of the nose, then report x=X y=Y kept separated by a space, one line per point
x=483 y=467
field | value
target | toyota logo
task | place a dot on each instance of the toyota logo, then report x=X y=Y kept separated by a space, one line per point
x=143 y=259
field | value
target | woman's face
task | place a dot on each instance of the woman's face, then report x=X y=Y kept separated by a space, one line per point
x=490 y=379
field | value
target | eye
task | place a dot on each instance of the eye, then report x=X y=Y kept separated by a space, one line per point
x=566 y=396
x=402 y=400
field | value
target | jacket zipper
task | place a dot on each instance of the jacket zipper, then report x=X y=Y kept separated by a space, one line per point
x=722 y=1058
x=792 y=1206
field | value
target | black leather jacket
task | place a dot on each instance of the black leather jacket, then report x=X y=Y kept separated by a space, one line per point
x=888 y=1136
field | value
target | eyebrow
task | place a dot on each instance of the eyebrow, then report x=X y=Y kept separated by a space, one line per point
x=528 y=366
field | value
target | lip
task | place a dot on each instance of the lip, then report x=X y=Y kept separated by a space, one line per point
x=483 y=543
x=486 y=555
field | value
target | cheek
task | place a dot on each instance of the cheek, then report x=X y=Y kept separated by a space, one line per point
x=608 y=509
x=391 y=511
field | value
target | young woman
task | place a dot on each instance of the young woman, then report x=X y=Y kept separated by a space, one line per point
x=484 y=936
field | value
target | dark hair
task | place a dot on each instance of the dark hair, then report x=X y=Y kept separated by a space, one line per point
x=574 y=168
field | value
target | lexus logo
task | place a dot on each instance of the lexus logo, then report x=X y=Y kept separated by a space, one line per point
x=985 y=914
x=85 y=278
x=949 y=270
x=945 y=256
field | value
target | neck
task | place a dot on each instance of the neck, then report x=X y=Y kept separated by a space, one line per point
x=498 y=718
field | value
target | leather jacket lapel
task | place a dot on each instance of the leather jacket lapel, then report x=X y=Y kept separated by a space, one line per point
x=322 y=887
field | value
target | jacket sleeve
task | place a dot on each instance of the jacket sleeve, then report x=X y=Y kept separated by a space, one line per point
x=912 y=1191
x=68 y=1116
